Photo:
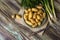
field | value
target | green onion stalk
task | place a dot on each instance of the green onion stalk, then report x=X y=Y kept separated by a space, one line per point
x=49 y=8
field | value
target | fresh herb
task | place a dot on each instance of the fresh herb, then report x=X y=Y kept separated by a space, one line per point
x=29 y=3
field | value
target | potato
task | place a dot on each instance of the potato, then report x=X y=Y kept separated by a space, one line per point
x=34 y=9
x=32 y=21
x=41 y=16
x=44 y=14
x=39 y=6
x=36 y=20
x=41 y=19
x=35 y=25
x=28 y=22
x=18 y=17
x=38 y=17
x=34 y=15
x=25 y=16
x=29 y=10
x=12 y=16
x=40 y=12
x=39 y=23
x=30 y=15
x=26 y=11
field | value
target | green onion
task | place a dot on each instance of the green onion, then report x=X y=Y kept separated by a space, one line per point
x=49 y=8
x=53 y=10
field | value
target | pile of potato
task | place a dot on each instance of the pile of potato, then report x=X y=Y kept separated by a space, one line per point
x=34 y=16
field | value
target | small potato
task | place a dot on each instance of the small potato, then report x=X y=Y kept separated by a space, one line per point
x=41 y=15
x=34 y=9
x=29 y=10
x=26 y=11
x=32 y=21
x=12 y=16
x=39 y=23
x=18 y=16
x=36 y=20
x=34 y=15
x=25 y=16
x=40 y=11
x=29 y=23
x=30 y=15
x=44 y=14
x=35 y=25
x=38 y=17
x=41 y=19
x=39 y=7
